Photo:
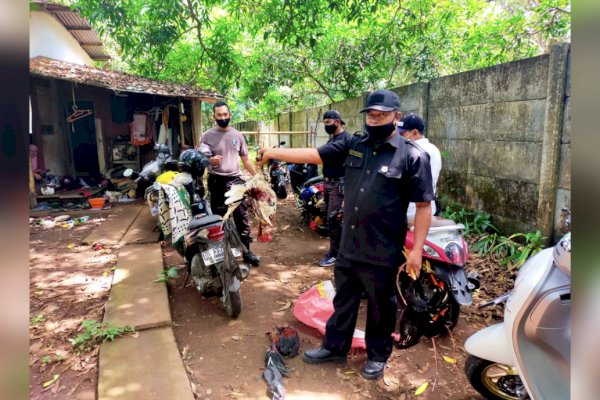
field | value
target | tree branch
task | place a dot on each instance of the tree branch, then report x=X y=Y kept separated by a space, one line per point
x=198 y=27
x=311 y=76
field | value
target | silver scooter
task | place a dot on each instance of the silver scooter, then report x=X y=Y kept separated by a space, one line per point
x=528 y=356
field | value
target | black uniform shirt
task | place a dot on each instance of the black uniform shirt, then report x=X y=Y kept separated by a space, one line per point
x=380 y=181
x=335 y=170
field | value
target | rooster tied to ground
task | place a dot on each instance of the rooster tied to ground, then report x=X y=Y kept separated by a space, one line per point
x=285 y=342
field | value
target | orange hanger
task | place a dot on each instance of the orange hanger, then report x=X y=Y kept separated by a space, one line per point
x=78 y=114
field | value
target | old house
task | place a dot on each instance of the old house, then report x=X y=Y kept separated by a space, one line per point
x=87 y=120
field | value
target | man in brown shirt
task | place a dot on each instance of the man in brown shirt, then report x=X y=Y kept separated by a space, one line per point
x=225 y=146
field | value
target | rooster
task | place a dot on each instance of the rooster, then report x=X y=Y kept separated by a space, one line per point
x=262 y=201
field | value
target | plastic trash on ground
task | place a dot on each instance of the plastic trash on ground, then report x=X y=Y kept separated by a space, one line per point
x=315 y=306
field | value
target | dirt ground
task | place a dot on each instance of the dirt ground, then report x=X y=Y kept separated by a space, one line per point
x=70 y=283
x=225 y=357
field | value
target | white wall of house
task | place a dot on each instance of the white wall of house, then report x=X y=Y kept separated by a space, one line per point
x=49 y=38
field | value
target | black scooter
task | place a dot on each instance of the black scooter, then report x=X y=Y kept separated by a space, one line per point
x=278 y=176
x=211 y=246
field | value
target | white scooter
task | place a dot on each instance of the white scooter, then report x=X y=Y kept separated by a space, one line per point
x=528 y=356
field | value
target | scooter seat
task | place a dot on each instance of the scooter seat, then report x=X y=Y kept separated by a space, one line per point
x=205 y=221
x=436 y=222
x=312 y=181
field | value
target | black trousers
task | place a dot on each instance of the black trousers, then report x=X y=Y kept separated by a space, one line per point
x=333 y=198
x=351 y=279
x=217 y=186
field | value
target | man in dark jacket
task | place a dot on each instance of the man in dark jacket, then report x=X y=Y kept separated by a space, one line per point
x=333 y=186
x=384 y=172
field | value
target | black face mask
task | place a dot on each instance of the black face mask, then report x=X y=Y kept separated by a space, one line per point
x=330 y=129
x=223 y=122
x=381 y=132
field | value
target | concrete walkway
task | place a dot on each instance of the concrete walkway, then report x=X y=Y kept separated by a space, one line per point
x=111 y=231
x=146 y=365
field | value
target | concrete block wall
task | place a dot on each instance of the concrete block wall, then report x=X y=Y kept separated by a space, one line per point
x=504 y=133
x=563 y=192
x=490 y=125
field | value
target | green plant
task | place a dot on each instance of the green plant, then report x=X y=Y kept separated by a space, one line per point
x=95 y=333
x=484 y=243
x=47 y=359
x=512 y=251
x=35 y=321
x=476 y=223
x=170 y=273
x=534 y=242
x=269 y=56
x=482 y=224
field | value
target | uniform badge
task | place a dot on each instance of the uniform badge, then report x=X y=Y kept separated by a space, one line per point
x=234 y=142
x=356 y=153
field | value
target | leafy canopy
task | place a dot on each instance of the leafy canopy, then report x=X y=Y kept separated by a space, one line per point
x=269 y=56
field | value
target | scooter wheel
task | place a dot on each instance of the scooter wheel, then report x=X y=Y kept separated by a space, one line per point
x=493 y=380
x=233 y=304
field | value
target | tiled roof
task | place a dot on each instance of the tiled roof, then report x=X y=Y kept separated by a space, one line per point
x=116 y=81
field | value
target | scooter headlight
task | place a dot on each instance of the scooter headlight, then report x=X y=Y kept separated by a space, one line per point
x=430 y=251
x=455 y=253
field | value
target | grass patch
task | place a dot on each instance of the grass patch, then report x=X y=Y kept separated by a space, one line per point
x=95 y=333
x=511 y=251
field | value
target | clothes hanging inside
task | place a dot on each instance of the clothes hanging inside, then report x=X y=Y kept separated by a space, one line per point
x=140 y=129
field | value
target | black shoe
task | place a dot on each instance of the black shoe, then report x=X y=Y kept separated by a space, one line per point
x=321 y=355
x=252 y=258
x=373 y=369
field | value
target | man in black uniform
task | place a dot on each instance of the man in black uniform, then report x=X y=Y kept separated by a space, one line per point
x=384 y=172
x=333 y=185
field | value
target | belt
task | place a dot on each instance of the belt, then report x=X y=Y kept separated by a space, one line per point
x=331 y=179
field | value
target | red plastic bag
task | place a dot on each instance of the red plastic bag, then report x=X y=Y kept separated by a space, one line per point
x=315 y=306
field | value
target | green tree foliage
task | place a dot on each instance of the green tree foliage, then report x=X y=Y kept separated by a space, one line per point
x=269 y=56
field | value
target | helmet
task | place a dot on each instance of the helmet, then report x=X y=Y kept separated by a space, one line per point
x=194 y=161
x=429 y=310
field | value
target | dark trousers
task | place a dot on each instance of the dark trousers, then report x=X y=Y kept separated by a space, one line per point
x=217 y=186
x=333 y=198
x=351 y=279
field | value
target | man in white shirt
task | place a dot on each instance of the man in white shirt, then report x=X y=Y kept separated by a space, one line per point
x=412 y=127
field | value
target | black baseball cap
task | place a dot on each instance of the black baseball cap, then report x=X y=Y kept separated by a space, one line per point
x=410 y=122
x=382 y=100
x=333 y=114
